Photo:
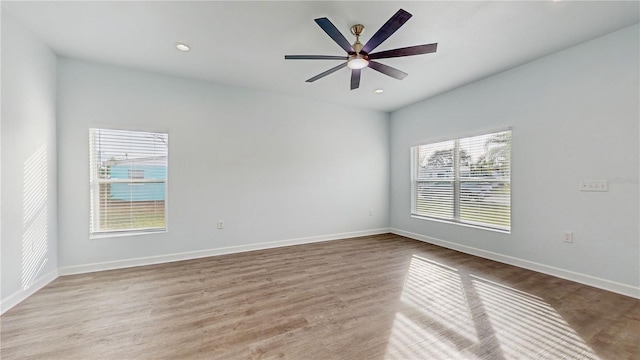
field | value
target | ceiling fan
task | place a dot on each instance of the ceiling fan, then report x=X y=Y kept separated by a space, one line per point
x=360 y=56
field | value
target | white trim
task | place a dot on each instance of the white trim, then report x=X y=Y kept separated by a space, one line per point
x=150 y=260
x=22 y=294
x=465 y=224
x=466 y=134
x=120 y=233
x=600 y=283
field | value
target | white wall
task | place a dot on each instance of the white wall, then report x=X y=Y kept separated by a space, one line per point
x=274 y=168
x=574 y=116
x=29 y=232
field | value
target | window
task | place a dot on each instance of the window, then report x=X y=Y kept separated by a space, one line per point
x=465 y=181
x=128 y=176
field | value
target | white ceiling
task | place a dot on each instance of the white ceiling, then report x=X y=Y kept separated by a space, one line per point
x=243 y=43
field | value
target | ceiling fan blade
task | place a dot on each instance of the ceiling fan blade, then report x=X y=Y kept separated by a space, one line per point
x=406 y=51
x=387 y=70
x=330 y=71
x=314 y=57
x=335 y=34
x=393 y=24
x=355 y=78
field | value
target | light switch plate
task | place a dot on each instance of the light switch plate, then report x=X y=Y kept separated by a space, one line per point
x=594 y=185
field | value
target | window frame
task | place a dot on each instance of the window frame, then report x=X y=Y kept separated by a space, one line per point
x=95 y=182
x=457 y=180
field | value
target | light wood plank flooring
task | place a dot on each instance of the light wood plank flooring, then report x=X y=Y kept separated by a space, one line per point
x=378 y=297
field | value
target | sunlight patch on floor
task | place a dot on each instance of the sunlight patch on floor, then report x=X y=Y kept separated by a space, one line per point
x=525 y=325
x=434 y=309
x=446 y=314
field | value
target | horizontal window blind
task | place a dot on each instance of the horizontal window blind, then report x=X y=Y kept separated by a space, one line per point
x=435 y=180
x=466 y=180
x=128 y=175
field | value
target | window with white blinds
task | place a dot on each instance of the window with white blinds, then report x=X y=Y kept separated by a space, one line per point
x=465 y=180
x=128 y=178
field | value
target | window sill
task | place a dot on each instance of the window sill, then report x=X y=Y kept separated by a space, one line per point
x=106 y=235
x=502 y=231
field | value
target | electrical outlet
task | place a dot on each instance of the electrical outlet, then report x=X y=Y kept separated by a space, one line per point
x=220 y=224
x=370 y=212
x=567 y=237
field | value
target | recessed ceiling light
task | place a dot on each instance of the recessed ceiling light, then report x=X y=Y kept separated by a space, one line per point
x=182 y=47
x=378 y=91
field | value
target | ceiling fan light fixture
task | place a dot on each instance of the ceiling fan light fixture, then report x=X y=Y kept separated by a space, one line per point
x=357 y=62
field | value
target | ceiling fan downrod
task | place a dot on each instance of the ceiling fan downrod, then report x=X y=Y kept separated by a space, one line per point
x=357 y=60
x=356 y=30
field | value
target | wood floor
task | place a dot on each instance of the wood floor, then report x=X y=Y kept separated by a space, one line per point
x=378 y=297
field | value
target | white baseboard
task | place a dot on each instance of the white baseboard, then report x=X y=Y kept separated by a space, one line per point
x=22 y=294
x=150 y=260
x=600 y=283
